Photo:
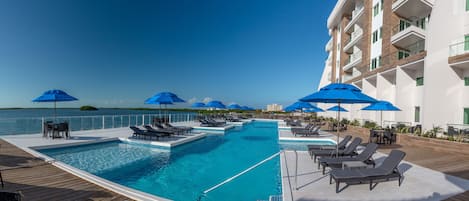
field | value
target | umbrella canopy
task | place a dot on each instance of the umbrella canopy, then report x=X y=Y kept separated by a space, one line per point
x=302 y=106
x=234 y=106
x=55 y=96
x=164 y=98
x=337 y=109
x=381 y=106
x=339 y=93
x=198 y=105
x=215 y=104
x=247 y=108
x=315 y=109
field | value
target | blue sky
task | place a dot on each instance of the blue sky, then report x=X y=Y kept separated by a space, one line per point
x=115 y=53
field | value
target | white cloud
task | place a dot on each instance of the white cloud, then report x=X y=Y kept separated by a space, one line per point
x=207 y=99
x=192 y=100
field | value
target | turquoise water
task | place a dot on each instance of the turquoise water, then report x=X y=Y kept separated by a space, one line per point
x=186 y=171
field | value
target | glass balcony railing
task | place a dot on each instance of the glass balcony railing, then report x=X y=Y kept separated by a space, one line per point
x=410 y=50
x=357 y=33
x=459 y=48
x=404 y=25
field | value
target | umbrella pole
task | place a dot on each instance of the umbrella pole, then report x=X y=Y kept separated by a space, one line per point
x=55 y=111
x=338 y=132
x=381 y=118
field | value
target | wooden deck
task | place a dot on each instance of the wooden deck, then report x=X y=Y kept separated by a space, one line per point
x=38 y=180
x=451 y=163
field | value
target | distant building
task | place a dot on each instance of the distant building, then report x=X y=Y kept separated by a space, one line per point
x=274 y=107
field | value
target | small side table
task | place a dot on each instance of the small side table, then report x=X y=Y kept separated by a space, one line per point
x=353 y=164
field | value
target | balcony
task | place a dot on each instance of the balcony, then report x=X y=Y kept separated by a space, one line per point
x=356 y=14
x=329 y=61
x=353 y=60
x=406 y=34
x=354 y=38
x=412 y=8
x=329 y=45
x=459 y=55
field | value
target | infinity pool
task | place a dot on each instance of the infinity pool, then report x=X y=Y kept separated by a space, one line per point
x=184 y=172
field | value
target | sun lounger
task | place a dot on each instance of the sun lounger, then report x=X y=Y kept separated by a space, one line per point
x=159 y=129
x=183 y=129
x=350 y=150
x=206 y=123
x=365 y=156
x=313 y=131
x=145 y=133
x=387 y=170
x=306 y=128
x=342 y=144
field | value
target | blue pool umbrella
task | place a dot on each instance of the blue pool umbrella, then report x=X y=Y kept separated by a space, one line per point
x=164 y=98
x=302 y=106
x=215 y=104
x=315 y=109
x=339 y=93
x=55 y=96
x=198 y=105
x=234 y=106
x=337 y=109
x=381 y=106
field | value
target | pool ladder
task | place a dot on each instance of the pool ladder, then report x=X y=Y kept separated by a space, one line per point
x=238 y=175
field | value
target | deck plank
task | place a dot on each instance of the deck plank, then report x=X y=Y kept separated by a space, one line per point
x=38 y=180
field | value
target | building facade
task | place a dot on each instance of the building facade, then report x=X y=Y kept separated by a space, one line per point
x=412 y=53
x=274 y=108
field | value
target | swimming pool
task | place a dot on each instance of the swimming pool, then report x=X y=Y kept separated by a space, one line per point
x=184 y=172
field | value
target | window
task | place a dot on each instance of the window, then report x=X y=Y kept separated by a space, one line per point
x=417 y=114
x=375 y=36
x=382 y=4
x=402 y=54
x=379 y=61
x=466 y=42
x=376 y=9
x=380 y=32
x=467 y=5
x=403 y=24
x=466 y=81
x=373 y=64
x=419 y=81
x=466 y=115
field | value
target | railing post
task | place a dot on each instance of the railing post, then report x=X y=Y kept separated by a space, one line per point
x=169 y=118
x=188 y=117
x=42 y=125
x=129 y=119
x=103 y=121
x=122 y=123
x=143 y=119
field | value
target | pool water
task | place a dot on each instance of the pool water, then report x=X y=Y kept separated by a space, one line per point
x=186 y=171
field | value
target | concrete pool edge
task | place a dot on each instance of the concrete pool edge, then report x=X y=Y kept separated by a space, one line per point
x=104 y=183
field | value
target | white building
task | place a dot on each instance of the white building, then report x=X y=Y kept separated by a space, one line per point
x=412 y=53
x=274 y=108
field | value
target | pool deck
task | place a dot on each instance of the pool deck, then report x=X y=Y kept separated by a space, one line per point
x=424 y=178
x=51 y=170
x=38 y=180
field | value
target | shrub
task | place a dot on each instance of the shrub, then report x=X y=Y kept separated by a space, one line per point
x=355 y=123
x=369 y=124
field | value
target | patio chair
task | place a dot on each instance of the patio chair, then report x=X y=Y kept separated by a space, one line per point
x=350 y=150
x=60 y=128
x=306 y=128
x=183 y=129
x=452 y=131
x=145 y=133
x=365 y=156
x=159 y=129
x=342 y=144
x=386 y=171
x=313 y=131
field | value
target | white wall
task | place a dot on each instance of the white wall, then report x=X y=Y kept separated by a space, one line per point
x=444 y=91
